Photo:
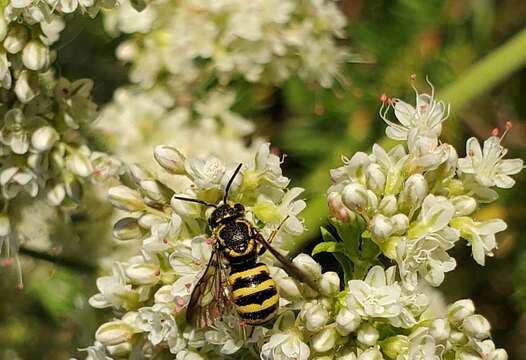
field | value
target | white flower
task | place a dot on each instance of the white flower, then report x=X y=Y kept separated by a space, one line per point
x=488 y=165
x=374 y=297
x=14 y=180
x=481 y=235
x=114 y=291
x=426 y=119
x=161 y=326
x=285 y=346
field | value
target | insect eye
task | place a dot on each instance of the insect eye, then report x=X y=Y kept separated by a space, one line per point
x=239 y=208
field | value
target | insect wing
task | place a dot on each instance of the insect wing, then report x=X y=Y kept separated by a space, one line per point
x=289 y=265
x=211 y=296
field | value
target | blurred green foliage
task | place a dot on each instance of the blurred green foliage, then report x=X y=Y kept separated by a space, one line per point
x=390 y=40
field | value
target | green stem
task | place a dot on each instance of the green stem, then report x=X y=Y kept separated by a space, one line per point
x=481 y=77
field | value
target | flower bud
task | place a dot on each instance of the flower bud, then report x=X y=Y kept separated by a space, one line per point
x=354 y=196
x=458 y=337
x=375 y=178
x=316 y=316
x=170 y=158
x=79 y=164
x=476 y=326
x=185 y=208
x=464 y=205
x=35 y=55
x=120 y=350
x=288 y=288
x=381 y=227
x=44 y=138
x=56 y=194
x=16 y=38
x=127 y=229
x=439 y=329
x=155 y=190
x=26 y=86
x=467 y=354
x=394 y=345
x=114 y=333
x=371 y=354
x=498 y=354
x=460 y=310
x=143 y=274
x=330 y=283
x=308 y=265
x=124 y=198
x=367 y=334
x=337 y=208
x=388 y=206
x=324 y=340
x=5 y=225
x=347 y=321
x=414 y=192
x=400 y=224
x=164 y=295
x=146 y=221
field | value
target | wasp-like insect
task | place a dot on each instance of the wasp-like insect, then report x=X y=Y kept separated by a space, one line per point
x=233 y=278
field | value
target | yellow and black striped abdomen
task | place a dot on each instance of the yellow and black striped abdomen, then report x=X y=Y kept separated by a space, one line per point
x=255 y=294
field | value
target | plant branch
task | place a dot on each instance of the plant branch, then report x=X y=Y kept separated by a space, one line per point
x=481 y=77
x=70 y=263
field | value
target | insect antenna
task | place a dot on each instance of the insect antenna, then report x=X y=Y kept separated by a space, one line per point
x=195 y=201
x=227 y=189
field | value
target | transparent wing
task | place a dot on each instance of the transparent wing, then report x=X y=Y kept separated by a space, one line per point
x=289 y=265
x=211 y=296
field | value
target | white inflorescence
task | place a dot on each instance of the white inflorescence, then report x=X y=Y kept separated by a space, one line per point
x=43 y=151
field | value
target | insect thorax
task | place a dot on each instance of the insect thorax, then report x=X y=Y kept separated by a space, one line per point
x=237 y=242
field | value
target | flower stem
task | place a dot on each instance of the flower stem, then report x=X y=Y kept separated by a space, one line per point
x=69 y=263
x=481 y=77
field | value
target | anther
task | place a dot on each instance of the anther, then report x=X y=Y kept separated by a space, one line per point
x=7 y=262
x=413 y=77
x=509 y=125
x=495 y=132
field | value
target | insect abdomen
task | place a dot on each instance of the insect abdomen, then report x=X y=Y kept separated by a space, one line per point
x=255 y=294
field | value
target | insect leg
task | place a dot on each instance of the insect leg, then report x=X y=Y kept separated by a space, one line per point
x=273 y=235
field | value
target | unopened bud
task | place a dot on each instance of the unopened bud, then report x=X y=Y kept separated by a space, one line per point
x=26 y=86
x=308 y=265
x=143 y=274
x=329 y=283
x=35 y=55
x=394 y=345
x=316 y=316
x=79 y=164
x=170 y=158
x=467 y=354
x=347 y=321
x=476 y=326
x=439 y=329
x=354 y=196
x=324 y=340
x=498 y=354
x=127 y=229
x=400 y=224
x=371 y=354
x=56 y=194
x=3 y=28
x=464 y=205
x=288 y=288
x=114 y=333
x=16 y=38
x=120 y=350
x=368 y=335
x=375 y=178
x=146 y=221
x=138 y=174
x=44 y=138
x=155 y=190
x=381 y=228
x=458 y=337
x=124 y=198
x=414 y=192
x=388 y=205
x=460 y=310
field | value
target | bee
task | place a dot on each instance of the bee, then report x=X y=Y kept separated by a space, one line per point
x=234 y=279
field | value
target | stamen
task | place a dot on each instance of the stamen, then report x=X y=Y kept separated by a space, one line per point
x=7 y=262
x=20 y=284
x=413 y=77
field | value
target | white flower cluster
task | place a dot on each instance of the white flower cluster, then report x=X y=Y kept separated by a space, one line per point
x=197 y=41
x=418 y=203
x=27 y=30
x=153 y=288
x=43 y=152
